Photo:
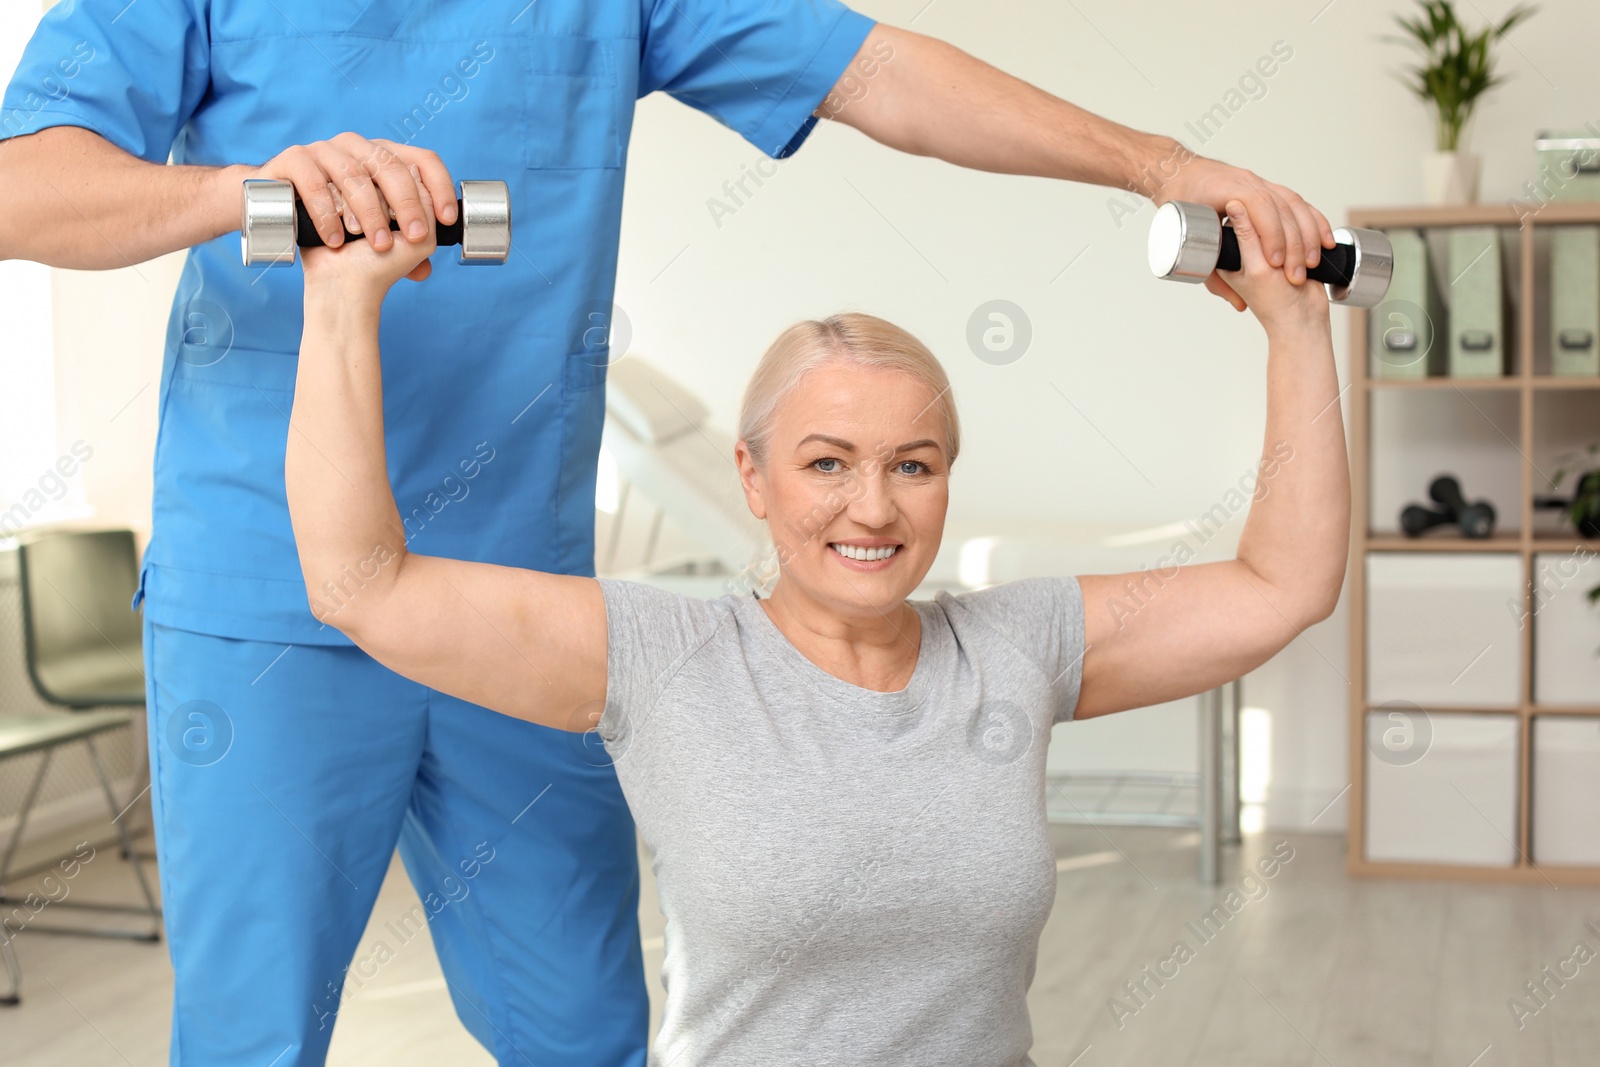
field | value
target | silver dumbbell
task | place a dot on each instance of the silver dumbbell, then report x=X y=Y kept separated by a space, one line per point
x=273 y=222
x=1189 y=241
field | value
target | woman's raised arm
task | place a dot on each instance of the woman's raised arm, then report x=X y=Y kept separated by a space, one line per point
x=1157 y=635
x=522 y=642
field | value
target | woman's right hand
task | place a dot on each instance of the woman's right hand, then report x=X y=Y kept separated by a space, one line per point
x=350 y=182
x=1275 y=300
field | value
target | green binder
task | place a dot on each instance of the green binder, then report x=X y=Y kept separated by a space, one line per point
x=1477 y=313
x=1575 y=301
x=1406 y=331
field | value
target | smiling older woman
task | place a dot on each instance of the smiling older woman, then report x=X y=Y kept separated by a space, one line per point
x=843 y=789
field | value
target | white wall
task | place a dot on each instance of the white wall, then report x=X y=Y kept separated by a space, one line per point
x=27 y=404
x=1168 y=375
x=110 y=328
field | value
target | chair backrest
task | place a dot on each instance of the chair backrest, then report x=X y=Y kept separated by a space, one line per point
x=83 y=638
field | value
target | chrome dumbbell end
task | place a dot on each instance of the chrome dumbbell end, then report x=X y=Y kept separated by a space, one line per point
x=485 y=222
x=267 y=224
x=1370 y=271
x=1185 y=241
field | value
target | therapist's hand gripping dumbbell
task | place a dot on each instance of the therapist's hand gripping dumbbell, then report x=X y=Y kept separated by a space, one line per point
x=1188 y=242
x=348 y=186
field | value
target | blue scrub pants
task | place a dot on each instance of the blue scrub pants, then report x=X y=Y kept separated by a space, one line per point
x=283 y=777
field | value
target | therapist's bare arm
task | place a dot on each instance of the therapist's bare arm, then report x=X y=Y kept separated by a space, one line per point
x=1173 y=631
x=920 y=95
x=522 y=642
x=74 y=199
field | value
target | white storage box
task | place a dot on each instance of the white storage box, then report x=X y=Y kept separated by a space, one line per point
x=1566 y=789
x=1442 y=628
x=1453 y=800
x=1566 y=629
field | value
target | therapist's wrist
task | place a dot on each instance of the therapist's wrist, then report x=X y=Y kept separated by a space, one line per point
x=222 y=194
x=1154 y=161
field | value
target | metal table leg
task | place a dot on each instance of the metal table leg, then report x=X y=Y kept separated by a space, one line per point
x=1231 y=834
x=1210 y=786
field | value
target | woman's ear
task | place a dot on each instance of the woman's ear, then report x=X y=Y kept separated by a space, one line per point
x=749 y=479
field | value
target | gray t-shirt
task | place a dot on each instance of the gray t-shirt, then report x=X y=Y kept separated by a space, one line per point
x=847 y=876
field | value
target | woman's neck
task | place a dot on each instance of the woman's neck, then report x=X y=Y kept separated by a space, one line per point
x=876 y=651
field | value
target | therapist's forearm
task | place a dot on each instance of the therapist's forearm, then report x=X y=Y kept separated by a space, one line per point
x=335 y=470
x=930 y=98
x=74 y=199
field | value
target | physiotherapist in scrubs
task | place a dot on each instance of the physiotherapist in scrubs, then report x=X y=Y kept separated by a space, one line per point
x=286 y=763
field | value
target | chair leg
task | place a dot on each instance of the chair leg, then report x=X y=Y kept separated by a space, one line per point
x=127 y=838
x=7 y=952
x=22 y=818
x=150 y=908
x=141 y=783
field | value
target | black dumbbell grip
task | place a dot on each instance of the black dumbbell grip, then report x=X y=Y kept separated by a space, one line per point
x=1416 y=519
x=306 y=235
x=1446 y=490
x=1336 y=267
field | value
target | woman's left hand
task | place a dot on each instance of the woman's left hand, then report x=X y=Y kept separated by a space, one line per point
x=358 y=263
x=1274 y=299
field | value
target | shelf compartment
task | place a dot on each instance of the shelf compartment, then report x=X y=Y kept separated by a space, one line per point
x=1566 y=790
x=1452 y=317
x=1441 y=629
x=1566 y=628
x=1416 y=435
x=1450 y=797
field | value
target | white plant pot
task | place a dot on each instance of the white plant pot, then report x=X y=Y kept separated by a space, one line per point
x=1450 y=178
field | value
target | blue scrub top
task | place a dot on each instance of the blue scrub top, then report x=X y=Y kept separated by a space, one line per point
x=493 y=375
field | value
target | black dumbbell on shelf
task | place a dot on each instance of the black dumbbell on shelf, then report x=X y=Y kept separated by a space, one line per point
x=1475 y=520
x=273 y=223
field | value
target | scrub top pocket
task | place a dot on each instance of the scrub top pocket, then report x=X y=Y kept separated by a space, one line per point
x=575 y=100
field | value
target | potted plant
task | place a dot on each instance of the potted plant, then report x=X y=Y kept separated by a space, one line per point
x=1455 y=70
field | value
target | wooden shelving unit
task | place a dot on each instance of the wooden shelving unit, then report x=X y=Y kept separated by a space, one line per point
x=1525 y=542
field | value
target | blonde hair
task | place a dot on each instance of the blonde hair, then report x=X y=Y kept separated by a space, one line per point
x=852 y=338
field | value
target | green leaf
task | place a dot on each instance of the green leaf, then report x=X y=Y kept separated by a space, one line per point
x=1458 y=67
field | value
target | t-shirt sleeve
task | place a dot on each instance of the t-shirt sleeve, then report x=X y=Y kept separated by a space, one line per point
x=760 y=67
x=650 y=633
x=133 y=73
x=1043 y=619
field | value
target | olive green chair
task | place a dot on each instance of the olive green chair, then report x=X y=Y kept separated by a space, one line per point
x=83 y=649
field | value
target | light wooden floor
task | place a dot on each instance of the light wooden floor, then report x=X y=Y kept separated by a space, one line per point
x=1314 y=969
